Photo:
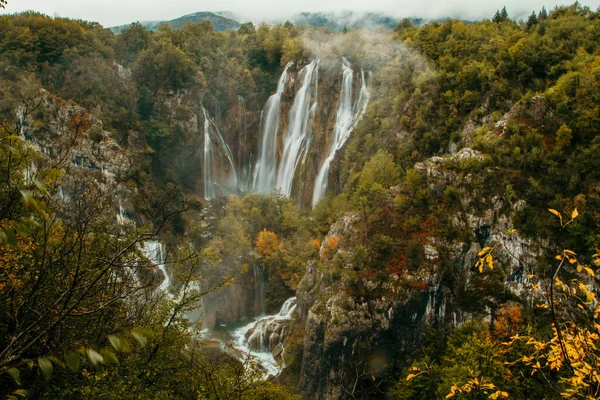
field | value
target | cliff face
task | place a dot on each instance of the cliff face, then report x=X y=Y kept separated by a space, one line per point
x=354 y=343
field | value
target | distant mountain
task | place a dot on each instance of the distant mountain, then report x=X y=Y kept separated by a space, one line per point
x=219 y=22
x=347 y=19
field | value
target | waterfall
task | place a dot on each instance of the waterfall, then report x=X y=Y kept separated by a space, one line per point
x=347 y=117
x=269 y=331
x=121 y=218
x=288 y=308
x=21 y=114
x=220 y=178
x=259 y=290
x=262 y=340
x=266 y=167
x=245 y=171
x=298 y=135
x=155 y=252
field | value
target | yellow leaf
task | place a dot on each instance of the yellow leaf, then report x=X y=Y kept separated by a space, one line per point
x=489 y=261
x=483 y=251
x=559 y=257
x=553 y=211
x=589 y=271
x=410 y=376
x=574 y=214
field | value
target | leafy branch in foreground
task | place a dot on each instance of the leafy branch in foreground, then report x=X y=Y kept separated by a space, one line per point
x=572 y=351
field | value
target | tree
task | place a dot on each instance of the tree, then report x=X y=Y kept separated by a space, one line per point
x=247 y=29
x=500 y=16
x=531 y=21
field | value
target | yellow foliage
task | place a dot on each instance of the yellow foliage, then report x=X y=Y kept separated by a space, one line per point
x=333 y=241
x=12 y=260
x=267 y=243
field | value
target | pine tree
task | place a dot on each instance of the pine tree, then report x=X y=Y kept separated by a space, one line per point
x=497 y=18
x=500 y=16
x=531 y=21
x=543 y=14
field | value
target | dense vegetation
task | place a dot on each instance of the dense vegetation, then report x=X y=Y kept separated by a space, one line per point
x=495 y=117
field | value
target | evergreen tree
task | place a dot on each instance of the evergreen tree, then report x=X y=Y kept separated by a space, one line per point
x=500 y=16
x=532 y=20
x=543 y=14
x=497 y=17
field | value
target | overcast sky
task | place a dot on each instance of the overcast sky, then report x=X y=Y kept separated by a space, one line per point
x=118 y=12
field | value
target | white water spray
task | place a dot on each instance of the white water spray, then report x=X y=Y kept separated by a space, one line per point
x=297 y=138
x=348 y=116
x=265 y=172
x=155 y=252
x=220 y=178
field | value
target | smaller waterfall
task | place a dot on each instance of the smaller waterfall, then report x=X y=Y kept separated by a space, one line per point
x=121 y=214
x=245 y=170
x=259 y=290
x=220 y=177
x=348 y=115
x=269 y=331
x=156 y=253
x=263 y=339
x=297 y=138
x=21 y=113
x=265 y=172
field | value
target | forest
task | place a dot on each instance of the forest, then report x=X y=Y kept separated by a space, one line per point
x=288 y=212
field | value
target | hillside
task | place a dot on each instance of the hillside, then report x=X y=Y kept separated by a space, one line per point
x=219 y=23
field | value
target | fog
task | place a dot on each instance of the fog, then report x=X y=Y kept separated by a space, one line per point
x=119 y=12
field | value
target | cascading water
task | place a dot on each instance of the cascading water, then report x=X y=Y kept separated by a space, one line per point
x=261 y=338
x=298 y=135
x=220 y=177
x=155 y=252
x=259 y=290
x=245 y=170
x=348 y=115
x=265 y=172
x=21 y=113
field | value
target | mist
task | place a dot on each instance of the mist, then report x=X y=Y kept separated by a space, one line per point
x=119 y=12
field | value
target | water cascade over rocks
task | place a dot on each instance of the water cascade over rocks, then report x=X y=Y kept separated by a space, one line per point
x=298 y=136
x=220 y=177
x=281 y=155
x=348 y=115
x=259 y=290
x=265 y=172
x=263 y=339
x=155 y=252
x=245 y=179
x=269 y=330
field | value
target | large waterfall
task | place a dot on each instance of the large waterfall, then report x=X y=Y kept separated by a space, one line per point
x=220 y=177
x=347 y=117
x=266 y=167
x=298 y=136
x=244 y=169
